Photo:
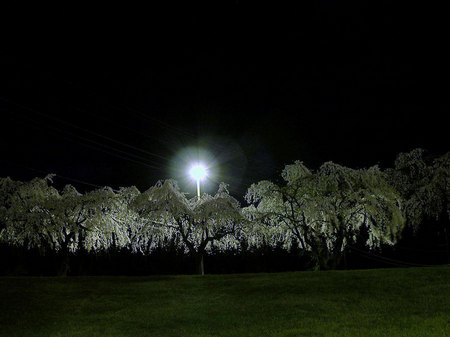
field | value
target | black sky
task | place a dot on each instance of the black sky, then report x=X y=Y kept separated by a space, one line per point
x=114 y=96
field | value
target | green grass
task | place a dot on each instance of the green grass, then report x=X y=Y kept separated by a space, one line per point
x=385 y=302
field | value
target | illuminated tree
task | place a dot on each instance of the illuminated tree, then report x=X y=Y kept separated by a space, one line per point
x=24 y=212
x=35 y=214
x=197 y=223
x=424 y=186
x=324 y=211
x=129 y=227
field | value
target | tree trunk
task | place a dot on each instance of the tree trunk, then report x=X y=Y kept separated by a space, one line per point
x=20 y=267
x=199 y=267
x=65 y=263
x=344 y=259
x=82 y=253
x=325 y=261
x=337 y=252
x=335 y=261
x=320 y=256
x=447 y=246
x=445 y=220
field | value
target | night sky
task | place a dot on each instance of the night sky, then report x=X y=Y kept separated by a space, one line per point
x=128 y=96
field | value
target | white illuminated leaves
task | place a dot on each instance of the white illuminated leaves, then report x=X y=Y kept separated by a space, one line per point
x=199 y=223
x=35 y=214
x=424 y=187
x=325 y=210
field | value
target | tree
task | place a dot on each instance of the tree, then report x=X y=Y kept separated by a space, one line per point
x=197 y=223
x=25 y=219
x=325 y=211
x=35 y=214
x=128 y=227
x=424 y=185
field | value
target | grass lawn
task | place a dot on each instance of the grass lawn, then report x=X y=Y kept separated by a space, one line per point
x=384 y=302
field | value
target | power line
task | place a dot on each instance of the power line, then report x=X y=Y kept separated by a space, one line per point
x=128 y=109
x=86 y=130
x=430 y=251
x=142 y=134
x=113 y=151
x=162 y=124
x=58 y=175
x=389 y=260
x=124 y=155
x=99 y=144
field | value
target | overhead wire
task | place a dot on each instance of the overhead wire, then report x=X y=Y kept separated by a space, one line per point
x=122 y=126
x=160 y=122
x=57 y=174
x=143 y=116
x=86 y=130
x=99 y=147
x=128 y=109
x=111 y=150
x=216 y=147
x=387 y=260
x=430 y=251
x=212 y=145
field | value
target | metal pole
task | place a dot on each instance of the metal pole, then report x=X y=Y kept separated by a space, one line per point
x=198 y=188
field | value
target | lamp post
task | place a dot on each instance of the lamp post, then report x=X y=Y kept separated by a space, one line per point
x=198 y=172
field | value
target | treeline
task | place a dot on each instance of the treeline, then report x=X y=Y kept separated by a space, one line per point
x=332 y=217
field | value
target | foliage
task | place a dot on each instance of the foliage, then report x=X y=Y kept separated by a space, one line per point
x=325 y=211
x=322 y=212
x=423 y=184
x=197 y=223
x=26 y=218
x=35 y=214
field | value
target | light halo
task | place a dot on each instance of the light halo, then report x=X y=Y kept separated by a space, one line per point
x=198 y=171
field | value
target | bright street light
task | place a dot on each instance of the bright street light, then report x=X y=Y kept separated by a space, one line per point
x=198 y=172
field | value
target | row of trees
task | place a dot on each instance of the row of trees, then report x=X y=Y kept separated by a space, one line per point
x=322 y=211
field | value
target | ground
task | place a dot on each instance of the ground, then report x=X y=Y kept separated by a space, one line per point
x=384 y=302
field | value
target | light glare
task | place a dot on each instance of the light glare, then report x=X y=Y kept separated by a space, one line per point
x=198 y=172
